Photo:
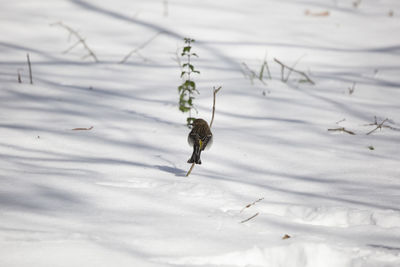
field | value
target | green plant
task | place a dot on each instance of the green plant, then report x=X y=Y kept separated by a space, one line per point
x=187 y=89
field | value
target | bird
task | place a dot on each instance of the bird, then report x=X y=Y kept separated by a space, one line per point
x=200 y=137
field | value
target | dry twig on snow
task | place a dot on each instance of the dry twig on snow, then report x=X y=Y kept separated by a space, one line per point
x=283 y=67
x=248 y=219
x=251 y=204
x=317 y=14
x=352 y=88
x=380 y=125
x=19 y=76
x=80 y=40
x=215 y=91
x=342 y=129
x=247 y=72
x=342 y=120
x=82 y=129
x=136 y=50
x=30 y=68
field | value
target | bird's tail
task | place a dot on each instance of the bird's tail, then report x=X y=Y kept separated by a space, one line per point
x=195 y=158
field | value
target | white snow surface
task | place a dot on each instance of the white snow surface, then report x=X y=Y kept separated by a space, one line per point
x=117 y=195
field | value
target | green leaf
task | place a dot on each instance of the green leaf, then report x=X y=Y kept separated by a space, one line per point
x=182 y=88
x=189 y=120
x=188 y=39
x=193 y=69
x=184 y=109
x=187 y=89
x=190 y=84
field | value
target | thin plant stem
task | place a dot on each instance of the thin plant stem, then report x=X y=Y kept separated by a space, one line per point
x=30 y=68
x=215 y=91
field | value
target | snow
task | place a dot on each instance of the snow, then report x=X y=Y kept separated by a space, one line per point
x=117 y=195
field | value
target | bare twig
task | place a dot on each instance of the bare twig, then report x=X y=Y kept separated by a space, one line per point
x=71 y=47
x=374 y=123
x=342 y=120
x=251 y=204
x=282 y=73
x=248 y=219
x=342 y=129
x=378 y=126
x=352 y=88
x=261 y=75
x=30 y=68
x=19 y=76
x=292 y=68
x=283 y=66
x=82 y=129
x=247 y=72
x=317 y=14
x=80 y=40
x=215 y=91
x=136 y=50
x=264 y=66
x=267 y=68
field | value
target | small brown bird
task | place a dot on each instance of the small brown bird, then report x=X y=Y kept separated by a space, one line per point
x=200 y=138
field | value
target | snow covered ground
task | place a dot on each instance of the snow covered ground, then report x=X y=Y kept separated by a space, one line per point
x=117 y=195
